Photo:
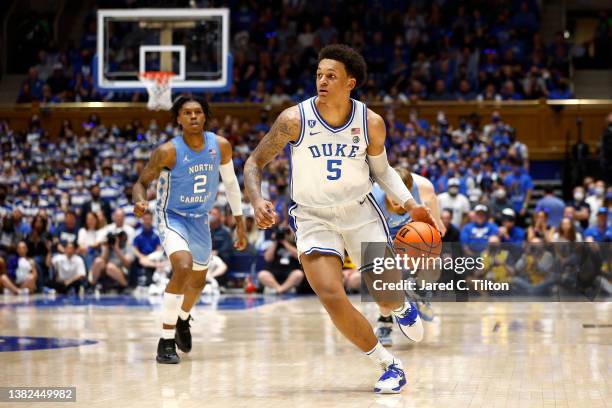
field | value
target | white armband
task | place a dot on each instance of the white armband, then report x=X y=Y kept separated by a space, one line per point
x=232 y=188
x=388 y=179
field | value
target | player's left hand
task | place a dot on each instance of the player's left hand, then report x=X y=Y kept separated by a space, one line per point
x=241 y=239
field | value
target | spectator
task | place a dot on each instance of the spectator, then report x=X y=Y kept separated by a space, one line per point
x=457 y=203
x=498 y=262
x=475 y=235
x=282 y=271
x=39 y=243
x=520 y=187
x=68 y=231
x=116 y=258
x=221 y=236
x=535 y=270
x=70 y=273
x=500 y=202
x=566 y=232
x=25 y=274
x=90 y=238
x=554 y=206
x=145 y=244
x=509 y=232
x=600 y=231
x=582 y=209
x=540 y=228
x=118 y=225
x=95 y=205
x=453 y=234
x=595 y=200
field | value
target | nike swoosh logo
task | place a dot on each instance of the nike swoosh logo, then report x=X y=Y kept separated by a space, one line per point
x=363 y=201
x=316 y=133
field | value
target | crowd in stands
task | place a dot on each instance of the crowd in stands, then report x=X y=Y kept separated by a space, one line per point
x=414 y=50
x=66 y=220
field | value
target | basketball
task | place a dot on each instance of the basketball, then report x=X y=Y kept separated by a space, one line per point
x=418 y=239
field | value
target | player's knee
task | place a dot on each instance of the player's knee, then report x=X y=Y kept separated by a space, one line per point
x=330 y=296
x=181 y=271
x=197 y=280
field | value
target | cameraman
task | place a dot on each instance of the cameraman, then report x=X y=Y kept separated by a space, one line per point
x=115 y=260
x=282 y=271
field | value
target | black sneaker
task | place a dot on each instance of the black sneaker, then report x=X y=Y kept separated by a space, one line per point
x=182 y=336
x=166 y=352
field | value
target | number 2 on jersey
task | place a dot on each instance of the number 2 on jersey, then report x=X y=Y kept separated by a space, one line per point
x=200 y=186
x=333 y=167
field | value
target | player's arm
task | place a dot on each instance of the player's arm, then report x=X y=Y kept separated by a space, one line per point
x=163 y=156
x=232 y=190
x=385 y=176
x=286 y=128
x=427 y=191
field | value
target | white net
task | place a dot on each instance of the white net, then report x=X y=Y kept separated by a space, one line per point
x=159 y=87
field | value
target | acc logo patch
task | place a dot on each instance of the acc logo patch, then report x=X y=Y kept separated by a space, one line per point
x=356 y=139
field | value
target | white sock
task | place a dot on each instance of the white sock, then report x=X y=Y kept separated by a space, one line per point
x=171 y=304
x=402 y=309
x=381 y=356
x=183 y=314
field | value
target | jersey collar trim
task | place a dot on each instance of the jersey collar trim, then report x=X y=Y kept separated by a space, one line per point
x=328 y=126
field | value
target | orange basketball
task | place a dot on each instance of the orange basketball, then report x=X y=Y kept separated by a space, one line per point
x=418 y=239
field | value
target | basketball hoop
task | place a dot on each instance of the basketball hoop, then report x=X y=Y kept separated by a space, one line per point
x=159 y=87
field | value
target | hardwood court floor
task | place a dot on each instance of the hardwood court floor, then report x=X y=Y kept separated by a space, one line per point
x=287 y=353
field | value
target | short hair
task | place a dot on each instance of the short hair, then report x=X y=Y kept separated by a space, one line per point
x=183 y=99
x=353 y=61
x=406 y=177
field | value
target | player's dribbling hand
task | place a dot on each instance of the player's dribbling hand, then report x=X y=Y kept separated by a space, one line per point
x=140 y=208
x=423 y=214
x=241 y=241
x=265 y=216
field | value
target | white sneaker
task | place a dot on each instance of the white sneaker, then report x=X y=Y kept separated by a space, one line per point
x=392 y=380
x=410 y=323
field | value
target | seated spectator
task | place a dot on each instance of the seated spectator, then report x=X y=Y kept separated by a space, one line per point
x=554 y=206
x=499 y=203
x=595 y=199
x=216 y=268
x=582 y=209
x=119 y=225
x=566 y=232
x=220 y=234
x=70 y=274
x=282 y=271
x=540 y=228
x=453 y=234
x=145 y=244
x=509 y=232
x=600 y=231
x=25 y=273
x=39 y=243
x=535 y=269
x=498 y=261
x=68 y=231
x=90 y=238
x=116 y=258
x=475 y=235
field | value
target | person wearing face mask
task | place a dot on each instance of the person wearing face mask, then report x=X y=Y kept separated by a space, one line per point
x=499 y=202
x=600 y=232
x=582 y=211
x=456 y=202
x=595 y=201
x=554 y=205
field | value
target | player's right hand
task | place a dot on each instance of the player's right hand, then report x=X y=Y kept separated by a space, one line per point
x=423 y=214
x=140 y=208
x=265 y=216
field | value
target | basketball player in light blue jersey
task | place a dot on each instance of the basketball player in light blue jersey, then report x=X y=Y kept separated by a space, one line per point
x=396 y=216
x=335 y=144
x=188 y=168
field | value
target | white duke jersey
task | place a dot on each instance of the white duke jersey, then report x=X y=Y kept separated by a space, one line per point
x=328 y=164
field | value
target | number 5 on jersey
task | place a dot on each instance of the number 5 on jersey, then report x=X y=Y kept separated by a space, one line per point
x=333 y=167
x=199 y=187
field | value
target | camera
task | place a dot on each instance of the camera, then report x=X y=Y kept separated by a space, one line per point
x=280 y=234
x=111 y=238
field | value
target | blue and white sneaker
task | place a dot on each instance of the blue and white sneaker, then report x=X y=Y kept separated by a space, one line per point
x=392 y=380
x=410 y=323
x=426 y=311
x=383 y=331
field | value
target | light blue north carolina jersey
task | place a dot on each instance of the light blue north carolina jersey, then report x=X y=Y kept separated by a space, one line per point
x=394 y=221
x=190 y=188
x=328 y=164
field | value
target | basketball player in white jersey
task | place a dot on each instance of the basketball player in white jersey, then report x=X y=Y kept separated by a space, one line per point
x=336 y=144
x=396 y=217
